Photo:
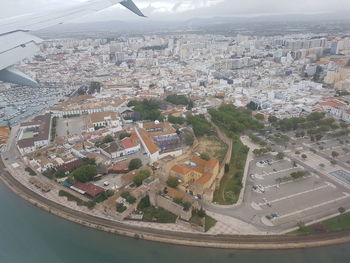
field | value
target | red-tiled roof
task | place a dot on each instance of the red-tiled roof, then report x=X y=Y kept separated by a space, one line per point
x=180 y=169
x=90 y=189
x=127 y=143
x=333 y=103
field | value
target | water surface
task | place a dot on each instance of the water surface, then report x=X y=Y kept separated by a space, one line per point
x=29 y=235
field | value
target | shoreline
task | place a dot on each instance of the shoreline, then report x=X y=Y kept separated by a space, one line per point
x=175 y=238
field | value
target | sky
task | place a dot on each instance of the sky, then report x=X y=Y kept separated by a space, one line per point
x=184 y=9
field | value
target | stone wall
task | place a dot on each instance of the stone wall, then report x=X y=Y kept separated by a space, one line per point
x=167 y=204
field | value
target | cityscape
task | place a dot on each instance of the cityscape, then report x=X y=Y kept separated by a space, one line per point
x=200 y=136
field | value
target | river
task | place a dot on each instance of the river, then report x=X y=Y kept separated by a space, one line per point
x=29 y=235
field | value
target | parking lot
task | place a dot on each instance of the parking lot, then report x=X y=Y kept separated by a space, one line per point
x=339 y=145
x=282 y=202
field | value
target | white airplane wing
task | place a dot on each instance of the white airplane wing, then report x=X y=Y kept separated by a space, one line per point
x=16 y=43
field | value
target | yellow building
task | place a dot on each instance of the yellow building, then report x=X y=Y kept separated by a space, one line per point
x=197 y=175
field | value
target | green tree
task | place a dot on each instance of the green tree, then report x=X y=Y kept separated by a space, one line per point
x=141 y=176
x=135 y=164
x=280 y=156
x=252 y=105
x=177 y=99
x=189 y=140
x=304 y=156
x=60 y=174
x=124 y=135
x=200 y=125
x=144 y=203
x=272 y=119
x=85 y=173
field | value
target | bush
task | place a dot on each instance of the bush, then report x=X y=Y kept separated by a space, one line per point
x=341 y=210
x=189 y=140
x=128 y=197
x=280 y=156
x=120 y=208
x=144 y=203
x=172 y=182
x=299 y=174
x=124 y=135
x=135 y=164
x=30 y=171
x=205 y=156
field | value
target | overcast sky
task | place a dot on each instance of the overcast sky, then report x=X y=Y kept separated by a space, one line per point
x=185 y=9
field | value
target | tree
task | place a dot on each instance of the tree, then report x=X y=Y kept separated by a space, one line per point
x=135 y=164
x=252 y=105
x=144 y=203
x=341 y=210
x=304 y=156
x=189 y=140
x=335 y=154
x=227 y=168
x=128 y=197
x=120 y=207
x=280 y=156
x=200 y=125
x=141 y=176
x=205 y=156
x=124 y=135
x=273 y=119
x=172 y=182
x=176 y=120
x=60 y=174
x=344 y=125
x=177 y=99
x=333 y=162
x=85 y=173
x=186 y=206
x=322 y=165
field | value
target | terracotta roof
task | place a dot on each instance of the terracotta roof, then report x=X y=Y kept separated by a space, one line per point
x=152 y=148
x=333 y=104
x=90 y=189
x=181 y=169
x=205 y=178
x=212 y=163
x=127 y=143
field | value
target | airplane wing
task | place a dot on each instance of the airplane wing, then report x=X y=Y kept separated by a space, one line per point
x=16 y=43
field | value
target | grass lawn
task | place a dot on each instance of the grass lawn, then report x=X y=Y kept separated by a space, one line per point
x=159 y=215
x=341 y=222
x=231 y=183
x=209 y=223
x=70 y=197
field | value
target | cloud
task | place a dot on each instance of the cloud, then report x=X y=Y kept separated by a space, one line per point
x=185 y=9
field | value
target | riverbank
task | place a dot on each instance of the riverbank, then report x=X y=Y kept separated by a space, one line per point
x=177 y=238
